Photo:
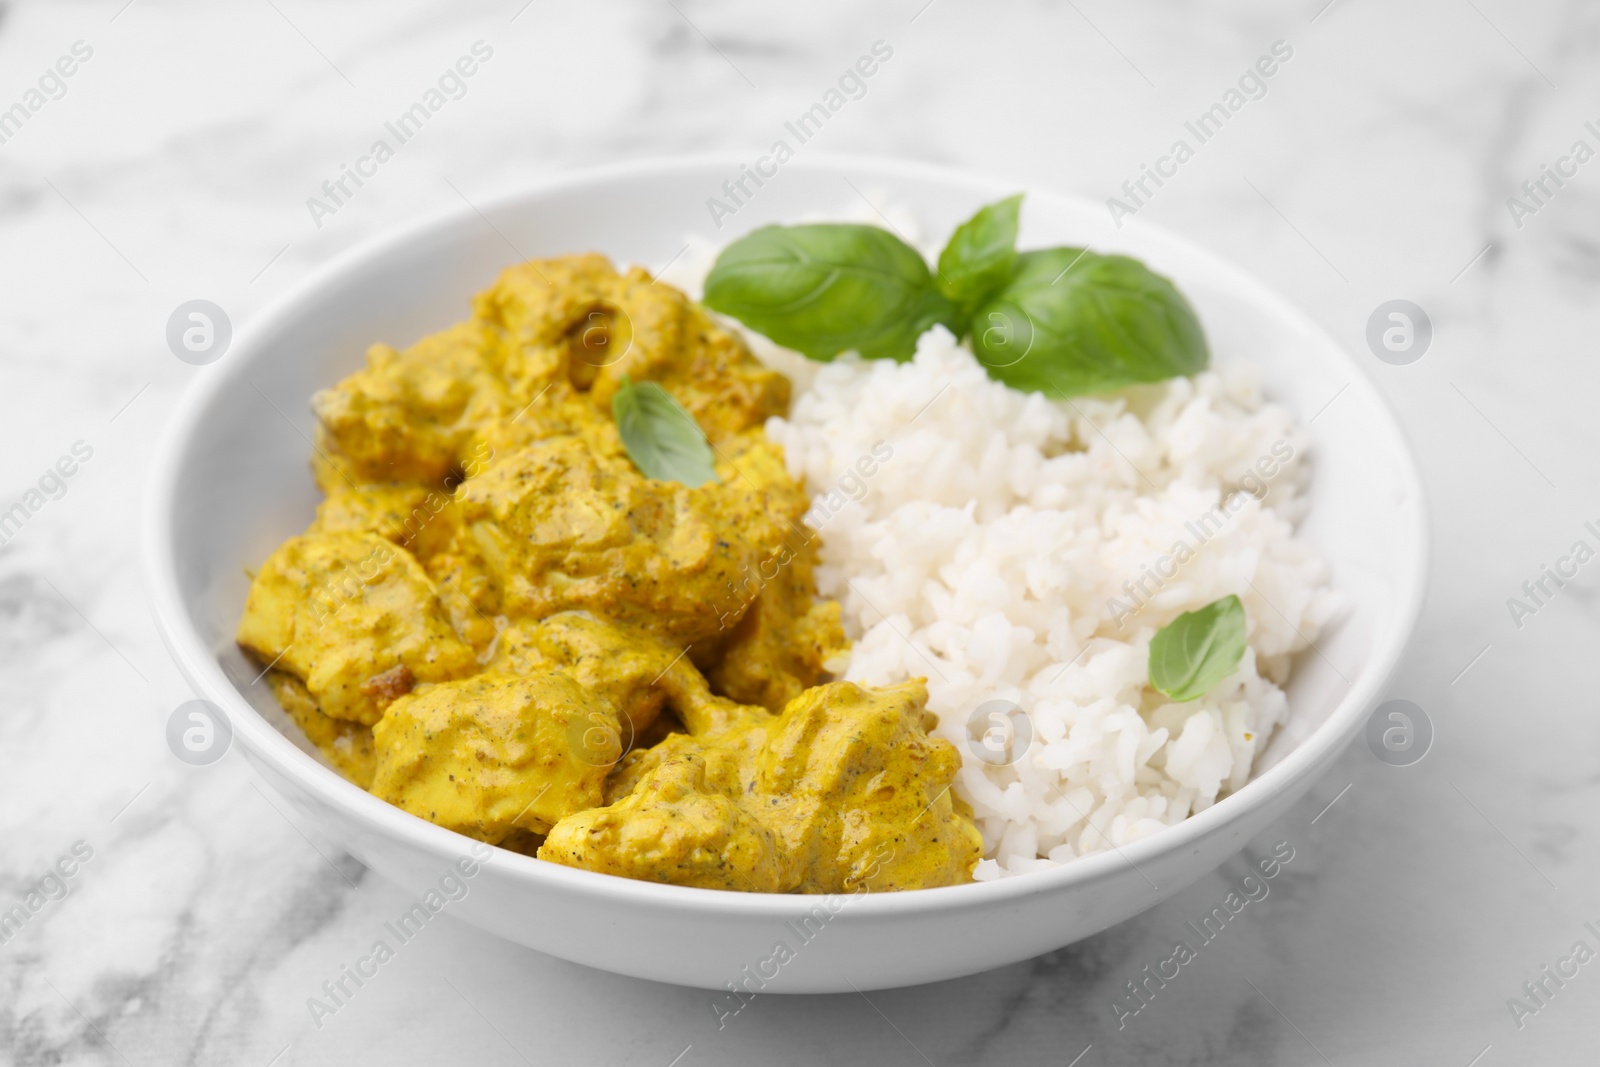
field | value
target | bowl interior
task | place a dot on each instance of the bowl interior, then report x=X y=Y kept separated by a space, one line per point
x=241 y=482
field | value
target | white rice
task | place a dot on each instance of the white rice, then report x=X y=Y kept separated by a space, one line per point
x=988 y=553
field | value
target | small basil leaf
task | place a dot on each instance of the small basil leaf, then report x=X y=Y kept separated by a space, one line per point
x=1071 y=321
x=1198 y=649
x=662 y=439
x=980 y=254
x=827 y=288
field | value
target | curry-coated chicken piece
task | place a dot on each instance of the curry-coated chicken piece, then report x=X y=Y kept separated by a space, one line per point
x=728 y=751
x=785 y=639
x=346 y=745
x=853 y=791
x=558 y=527
x=422 y=519
x=355 y=618
x=639 y=673
x=410 y=416
x=497 y=753
x=679 y=826
x=774 y=637
x=419 y=518
x=574 y=325
x=866 y=792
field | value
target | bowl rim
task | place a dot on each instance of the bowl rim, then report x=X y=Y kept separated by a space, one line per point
x=262 y=741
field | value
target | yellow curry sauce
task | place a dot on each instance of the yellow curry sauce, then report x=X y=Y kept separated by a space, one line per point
x=498 y=624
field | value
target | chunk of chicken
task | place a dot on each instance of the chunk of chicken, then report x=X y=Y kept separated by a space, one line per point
x=853 y=792
x=573 y=326
x=677 y=827
x=865 y=791
x=345 y=744
x=784 y=641
x=497 y=753
x=411 y=416
x=774 y=637
x=727 y=751
x=558 y=527
x=636 y=671
x=355 y=618
x=420 y=519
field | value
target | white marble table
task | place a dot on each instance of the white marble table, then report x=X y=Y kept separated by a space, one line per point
x=176 y=163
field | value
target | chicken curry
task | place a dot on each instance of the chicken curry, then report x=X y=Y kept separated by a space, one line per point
x=497 y=623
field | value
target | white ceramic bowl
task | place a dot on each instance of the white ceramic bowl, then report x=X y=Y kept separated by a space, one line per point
x=231 y=481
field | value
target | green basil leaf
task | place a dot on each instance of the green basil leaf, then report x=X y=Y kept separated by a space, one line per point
x=662 y=439
x=1071 y=321
x=980 y=255
x=1198 y=649
x=828 y=288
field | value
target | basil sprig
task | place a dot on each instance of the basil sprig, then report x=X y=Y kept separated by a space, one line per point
x=824 y=289
x=1198 y=649
x=1071 y=321
x=662 y=439
x=1061 y=320
x=979 y=257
